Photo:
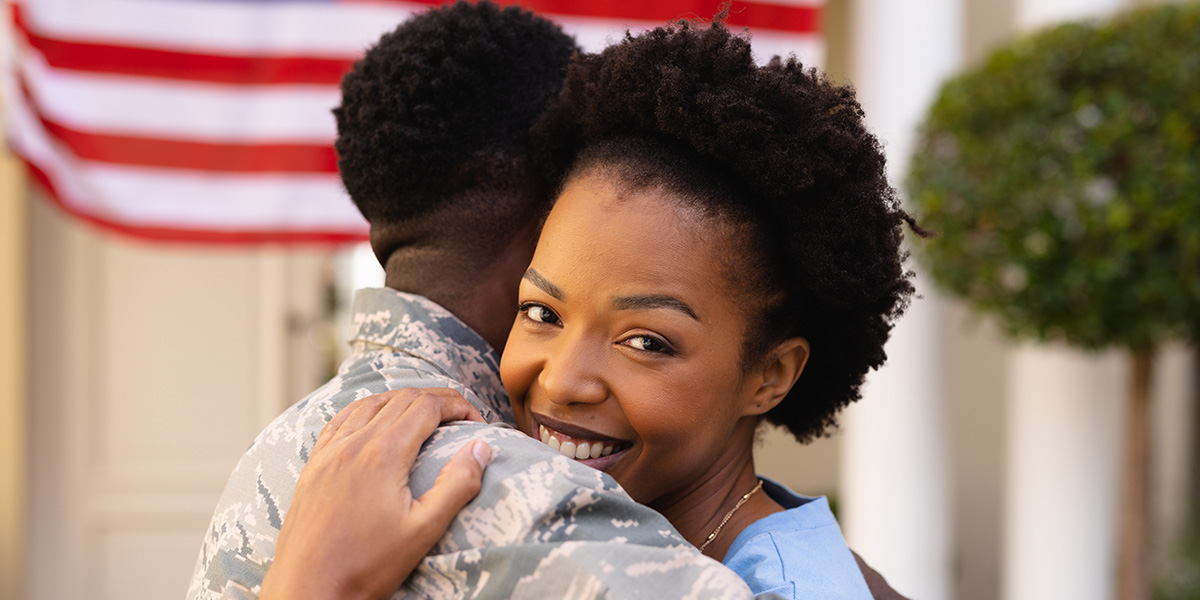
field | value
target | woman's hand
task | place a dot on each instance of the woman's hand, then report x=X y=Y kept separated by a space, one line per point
x=354 y=529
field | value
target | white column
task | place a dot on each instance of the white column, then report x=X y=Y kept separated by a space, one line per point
x=1063 y=470
x=1035 y=14
x=895 y=505
x=895 y=494
x=1063 y=437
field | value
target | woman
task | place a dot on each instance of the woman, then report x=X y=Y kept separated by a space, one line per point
x=725 y=249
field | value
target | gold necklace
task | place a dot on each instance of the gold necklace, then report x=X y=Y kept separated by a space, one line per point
x=712 y=536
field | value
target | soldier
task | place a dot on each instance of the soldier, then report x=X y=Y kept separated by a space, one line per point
x=433 y=143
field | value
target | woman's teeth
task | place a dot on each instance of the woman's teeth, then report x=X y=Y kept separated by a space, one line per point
x=574 y=448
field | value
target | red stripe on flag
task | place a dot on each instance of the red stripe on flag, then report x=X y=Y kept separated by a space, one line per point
x=196 y=156
x=755 y=15
x=152 y=62
x=192 y=236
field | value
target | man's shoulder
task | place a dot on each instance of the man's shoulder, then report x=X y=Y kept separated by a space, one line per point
x=408 y=325
x=240 y=542
x=295 y=430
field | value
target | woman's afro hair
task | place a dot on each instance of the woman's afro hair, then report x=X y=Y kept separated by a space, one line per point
x=444 y=103
x=796 y=148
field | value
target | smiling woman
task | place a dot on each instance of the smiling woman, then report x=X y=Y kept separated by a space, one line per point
x=724 y=249
x=632 y=342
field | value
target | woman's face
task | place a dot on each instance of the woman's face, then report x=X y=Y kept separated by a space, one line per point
x=627 y=345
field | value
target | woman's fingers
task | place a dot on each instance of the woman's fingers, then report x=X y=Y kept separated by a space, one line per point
x=367 y=409
x=388 y=408
x=351 y=419
x=446 y=404
x=454 y=487
x=330 y=430
x=402 y=429
x=353 y=519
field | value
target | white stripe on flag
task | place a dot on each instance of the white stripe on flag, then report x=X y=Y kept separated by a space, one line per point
x=29 y=139
x=596 y=34
x=294 y=202
x=232 y=27
x=809 y=49
x=173 y=198
x=181 y=109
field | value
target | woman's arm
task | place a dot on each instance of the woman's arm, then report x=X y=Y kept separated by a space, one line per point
x=354 y=530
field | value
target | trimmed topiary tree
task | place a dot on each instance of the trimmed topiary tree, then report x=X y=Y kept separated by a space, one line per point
x=1063 y=180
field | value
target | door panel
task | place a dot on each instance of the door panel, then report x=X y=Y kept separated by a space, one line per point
x=153 y=367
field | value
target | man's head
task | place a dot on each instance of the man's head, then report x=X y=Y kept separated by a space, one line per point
x=433 y=146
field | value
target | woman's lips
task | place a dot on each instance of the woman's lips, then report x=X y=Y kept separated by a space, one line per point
x=588 y=447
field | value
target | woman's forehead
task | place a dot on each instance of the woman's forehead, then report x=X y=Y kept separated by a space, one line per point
x=603 y=192
x=603 y=239
x=596 y=209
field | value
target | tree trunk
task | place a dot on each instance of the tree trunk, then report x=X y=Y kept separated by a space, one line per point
x=1133 y=575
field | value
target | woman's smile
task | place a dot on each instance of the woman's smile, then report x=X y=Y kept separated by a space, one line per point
x=589 y=447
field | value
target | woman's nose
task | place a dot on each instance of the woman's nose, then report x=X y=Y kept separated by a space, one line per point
x=574 y=373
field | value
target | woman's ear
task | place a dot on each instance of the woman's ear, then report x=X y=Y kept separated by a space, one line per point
x=779 y=372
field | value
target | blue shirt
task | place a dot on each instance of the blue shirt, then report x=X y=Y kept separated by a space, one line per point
x=797 y=553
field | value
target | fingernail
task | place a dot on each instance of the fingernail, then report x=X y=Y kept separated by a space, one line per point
x=482 y=453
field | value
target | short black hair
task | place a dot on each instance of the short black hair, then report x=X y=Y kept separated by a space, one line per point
x=779 y=154
x=433 y=129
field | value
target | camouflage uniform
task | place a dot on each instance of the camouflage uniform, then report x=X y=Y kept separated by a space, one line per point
x=544 y=526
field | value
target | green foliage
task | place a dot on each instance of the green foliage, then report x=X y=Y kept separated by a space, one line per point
x=1179 y=577
x=1063 y=180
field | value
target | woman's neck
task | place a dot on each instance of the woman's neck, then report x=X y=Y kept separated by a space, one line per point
x=701 y=511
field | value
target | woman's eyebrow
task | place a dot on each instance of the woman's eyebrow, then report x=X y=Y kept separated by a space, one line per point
x=532 y=276
x=649 y=301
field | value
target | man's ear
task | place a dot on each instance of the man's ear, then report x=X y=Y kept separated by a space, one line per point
x=777 y=374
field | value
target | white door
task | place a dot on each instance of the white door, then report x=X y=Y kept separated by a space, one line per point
x=152 y=368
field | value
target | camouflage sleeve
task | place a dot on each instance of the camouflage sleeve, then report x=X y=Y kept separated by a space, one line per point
x=240 y=542
x=545 y=526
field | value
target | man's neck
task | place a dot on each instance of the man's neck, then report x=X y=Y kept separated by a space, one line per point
x=478 y=311
x=481 y=292
x=458 y=296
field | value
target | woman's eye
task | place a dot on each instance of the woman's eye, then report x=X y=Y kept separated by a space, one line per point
x=648 y=344
x=539 y=314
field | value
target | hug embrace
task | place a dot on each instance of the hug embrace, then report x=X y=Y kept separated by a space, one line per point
x=691 y=244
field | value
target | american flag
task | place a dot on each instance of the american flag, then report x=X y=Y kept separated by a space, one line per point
x=209 y=120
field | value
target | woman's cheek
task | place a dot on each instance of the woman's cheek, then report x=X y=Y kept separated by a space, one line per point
x=519 y=371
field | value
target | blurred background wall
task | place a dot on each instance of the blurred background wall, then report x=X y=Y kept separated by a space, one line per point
x=133 y=374
x=13 y=365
